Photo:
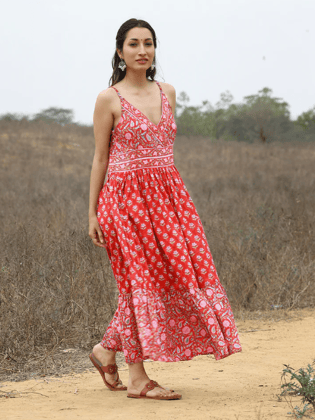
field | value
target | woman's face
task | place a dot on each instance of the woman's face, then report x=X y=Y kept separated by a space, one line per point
x=138 y=49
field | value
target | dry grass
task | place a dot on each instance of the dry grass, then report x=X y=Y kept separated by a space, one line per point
x=256 y=202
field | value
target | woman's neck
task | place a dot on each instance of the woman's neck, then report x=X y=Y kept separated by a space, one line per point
x=136 y=80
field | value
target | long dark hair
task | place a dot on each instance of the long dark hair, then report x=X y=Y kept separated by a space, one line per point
x=118 y=74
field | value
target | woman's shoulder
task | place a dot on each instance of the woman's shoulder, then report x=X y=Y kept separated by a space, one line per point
x=167 y=88
x=170 y=93
x=106 y=94
x=107 y=97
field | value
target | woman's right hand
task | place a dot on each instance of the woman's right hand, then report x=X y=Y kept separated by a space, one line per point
x=95 y=232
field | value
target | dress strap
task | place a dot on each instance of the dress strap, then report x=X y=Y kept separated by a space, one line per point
x=117 y=92
x=159 y=85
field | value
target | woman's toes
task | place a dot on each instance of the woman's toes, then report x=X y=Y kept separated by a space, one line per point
x=163 y=392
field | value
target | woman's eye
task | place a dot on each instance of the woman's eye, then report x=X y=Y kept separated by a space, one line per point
x=134 y=44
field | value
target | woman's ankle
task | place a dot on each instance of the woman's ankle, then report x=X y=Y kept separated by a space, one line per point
x=137 y=374
x=104 y=354
x=137 y=381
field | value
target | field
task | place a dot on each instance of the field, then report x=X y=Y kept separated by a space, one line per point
x=256 y=202
x=245 y=386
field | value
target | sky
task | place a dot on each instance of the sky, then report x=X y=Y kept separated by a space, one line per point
x=59 y=52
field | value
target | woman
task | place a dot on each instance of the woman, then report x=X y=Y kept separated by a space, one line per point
x=171 y=304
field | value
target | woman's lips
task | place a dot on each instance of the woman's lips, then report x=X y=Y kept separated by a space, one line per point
x=142 y=61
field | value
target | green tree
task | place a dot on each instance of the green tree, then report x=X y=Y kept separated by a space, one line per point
x=263 y=111
x=225 y=99
x=306 y=120
x=60 y=116
x=194 y=120
x=14 y=117
x=260 y=117
x=182 y=101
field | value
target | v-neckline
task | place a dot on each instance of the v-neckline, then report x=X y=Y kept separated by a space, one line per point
x=162 y=107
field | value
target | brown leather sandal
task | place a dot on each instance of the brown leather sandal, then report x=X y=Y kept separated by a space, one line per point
x=108 y=369
x=148 y=387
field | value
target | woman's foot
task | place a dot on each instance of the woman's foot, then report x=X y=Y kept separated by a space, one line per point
x=107 y=357
x=136 y=386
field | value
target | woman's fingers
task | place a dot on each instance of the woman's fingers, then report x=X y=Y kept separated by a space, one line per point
x=98 y=243
x=97 y=236
x=100 y=236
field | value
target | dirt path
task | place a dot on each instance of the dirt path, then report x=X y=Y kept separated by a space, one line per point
x=243 y=386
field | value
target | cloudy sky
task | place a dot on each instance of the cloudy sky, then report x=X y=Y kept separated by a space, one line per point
x=58 y=52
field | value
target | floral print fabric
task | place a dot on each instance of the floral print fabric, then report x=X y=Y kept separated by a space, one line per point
x=171 y=303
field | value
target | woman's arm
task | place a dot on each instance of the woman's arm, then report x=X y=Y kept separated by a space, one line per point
x=103 y=123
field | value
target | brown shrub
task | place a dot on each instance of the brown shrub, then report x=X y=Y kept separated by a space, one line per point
x=256 y=202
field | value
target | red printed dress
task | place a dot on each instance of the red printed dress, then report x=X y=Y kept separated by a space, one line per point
x=171 y=304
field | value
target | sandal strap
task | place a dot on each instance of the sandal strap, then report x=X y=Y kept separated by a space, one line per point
x=148 y=387
x=111 y=369
x=117 y=382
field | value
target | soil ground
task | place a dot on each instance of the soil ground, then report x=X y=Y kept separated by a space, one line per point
x=244 y=386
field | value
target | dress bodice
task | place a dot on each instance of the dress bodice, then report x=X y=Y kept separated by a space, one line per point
x=136 y=142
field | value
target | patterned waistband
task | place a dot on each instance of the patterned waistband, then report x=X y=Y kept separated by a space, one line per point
x=135 y=160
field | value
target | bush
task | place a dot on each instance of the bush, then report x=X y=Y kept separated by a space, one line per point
x=302 y=383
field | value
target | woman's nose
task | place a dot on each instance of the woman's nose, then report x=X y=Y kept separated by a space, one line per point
x=142 y=49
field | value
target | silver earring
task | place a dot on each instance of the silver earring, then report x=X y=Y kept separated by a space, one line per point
x=152 y=66
x=122 y=65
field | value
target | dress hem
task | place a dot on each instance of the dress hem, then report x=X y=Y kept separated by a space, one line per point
x=178 y=359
